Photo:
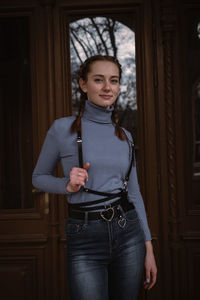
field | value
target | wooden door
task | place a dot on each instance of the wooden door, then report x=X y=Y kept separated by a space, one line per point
x=177 y=101
x=29 y=223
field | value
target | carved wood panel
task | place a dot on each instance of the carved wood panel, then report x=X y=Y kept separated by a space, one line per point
x=22 y=271
x=176 y=95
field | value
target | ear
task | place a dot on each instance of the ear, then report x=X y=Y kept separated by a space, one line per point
x=82 y=85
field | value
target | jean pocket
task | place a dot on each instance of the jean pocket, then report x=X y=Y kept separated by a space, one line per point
x=131 y=216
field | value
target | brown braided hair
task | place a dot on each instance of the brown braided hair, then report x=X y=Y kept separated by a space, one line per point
x=83 y=72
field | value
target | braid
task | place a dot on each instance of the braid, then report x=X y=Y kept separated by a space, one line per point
x=76 y=125
x=119 y=132
x=82 y=73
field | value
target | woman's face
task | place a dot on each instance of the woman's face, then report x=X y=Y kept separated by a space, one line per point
x=102 y=84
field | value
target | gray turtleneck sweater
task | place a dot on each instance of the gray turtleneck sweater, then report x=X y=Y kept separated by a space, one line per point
x=109 y=159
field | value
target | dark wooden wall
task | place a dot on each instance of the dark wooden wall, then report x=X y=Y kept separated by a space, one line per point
x=32 y=238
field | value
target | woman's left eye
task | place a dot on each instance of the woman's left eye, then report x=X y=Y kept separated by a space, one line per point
x=115 y=81
x=98 y=80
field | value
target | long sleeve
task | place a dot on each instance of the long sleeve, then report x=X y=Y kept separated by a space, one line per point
x=134 y=196
x=49 y=157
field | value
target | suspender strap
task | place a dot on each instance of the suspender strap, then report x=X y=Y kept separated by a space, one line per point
x=91 y=208
x=99 y=201
x=109 y=196
x=132 y=163
x=80 y=152
x=100 y=193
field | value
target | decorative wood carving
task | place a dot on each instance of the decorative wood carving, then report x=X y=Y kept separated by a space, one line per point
x=168 y=28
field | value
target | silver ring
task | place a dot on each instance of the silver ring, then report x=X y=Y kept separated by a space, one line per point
x=147 y=280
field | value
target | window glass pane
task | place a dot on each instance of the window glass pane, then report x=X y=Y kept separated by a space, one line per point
x=107 y=36
x=15 y=114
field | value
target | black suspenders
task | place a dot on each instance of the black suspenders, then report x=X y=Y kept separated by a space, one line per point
x=108 y=196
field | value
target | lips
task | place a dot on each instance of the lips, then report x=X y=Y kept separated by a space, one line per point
x=106 y=96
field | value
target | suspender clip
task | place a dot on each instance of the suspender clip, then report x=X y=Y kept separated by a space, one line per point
x=125 y=184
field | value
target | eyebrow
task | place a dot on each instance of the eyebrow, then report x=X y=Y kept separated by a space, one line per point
x=100 y=75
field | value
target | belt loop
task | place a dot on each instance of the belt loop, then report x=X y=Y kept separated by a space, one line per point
x=86 y=218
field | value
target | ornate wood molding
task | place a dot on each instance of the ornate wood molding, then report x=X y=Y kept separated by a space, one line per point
x=168 y=32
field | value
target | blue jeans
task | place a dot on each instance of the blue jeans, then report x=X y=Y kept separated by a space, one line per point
x=105 y=258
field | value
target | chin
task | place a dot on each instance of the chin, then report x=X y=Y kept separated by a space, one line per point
x=108 y=103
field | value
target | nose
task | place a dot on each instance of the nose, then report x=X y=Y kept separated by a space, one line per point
x=106 y=86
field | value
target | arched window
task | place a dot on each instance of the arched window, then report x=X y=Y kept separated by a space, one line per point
x=106 y=36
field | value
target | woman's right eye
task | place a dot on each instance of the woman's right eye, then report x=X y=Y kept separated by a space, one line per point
x=97 y=79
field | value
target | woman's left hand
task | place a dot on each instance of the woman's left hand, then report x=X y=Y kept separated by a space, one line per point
x=150 y=267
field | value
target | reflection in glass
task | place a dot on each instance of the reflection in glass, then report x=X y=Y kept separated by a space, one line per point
x=106 y=36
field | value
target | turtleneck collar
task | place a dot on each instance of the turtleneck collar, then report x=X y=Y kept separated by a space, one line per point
x=97 y=113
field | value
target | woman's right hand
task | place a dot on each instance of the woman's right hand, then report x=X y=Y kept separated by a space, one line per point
x=78 y=177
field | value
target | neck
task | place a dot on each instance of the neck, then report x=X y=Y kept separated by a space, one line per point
x=97 y=113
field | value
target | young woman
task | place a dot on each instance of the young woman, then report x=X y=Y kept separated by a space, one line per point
x=108 y=239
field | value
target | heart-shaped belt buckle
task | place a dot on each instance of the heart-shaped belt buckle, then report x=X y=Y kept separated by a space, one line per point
x=110 y=212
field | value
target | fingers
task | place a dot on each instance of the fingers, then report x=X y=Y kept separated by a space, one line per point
x=146 y=283
x=72 y=188
x=150 y=267
x=86 y=166
x=78 y=177
x=153 y=280
x=150 y=279
x=83 y=171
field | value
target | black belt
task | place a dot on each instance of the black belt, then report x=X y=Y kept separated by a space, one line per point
x=110 y=211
